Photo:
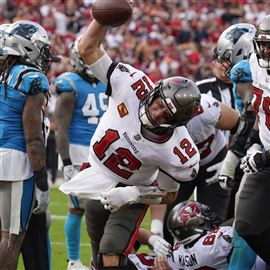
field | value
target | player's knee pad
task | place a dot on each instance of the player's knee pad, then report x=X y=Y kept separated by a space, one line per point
x=124 y=263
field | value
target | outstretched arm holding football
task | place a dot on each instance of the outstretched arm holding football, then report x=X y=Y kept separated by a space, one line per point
x=89 y=44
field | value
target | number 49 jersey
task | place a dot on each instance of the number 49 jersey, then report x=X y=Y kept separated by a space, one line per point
x=209 y=252
x=118 y=146
x=91 y=102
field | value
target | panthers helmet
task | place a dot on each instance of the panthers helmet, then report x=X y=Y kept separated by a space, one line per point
x=180 y=95
x=235 y=44
x=189 y=220
x=76 y=60
x=262 y=43
x=30 y=42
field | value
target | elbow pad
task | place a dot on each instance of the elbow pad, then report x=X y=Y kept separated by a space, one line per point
x=239 y=141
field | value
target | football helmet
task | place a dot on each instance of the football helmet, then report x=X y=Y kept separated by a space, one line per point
x=261 y=42
x=3 y=28
x=76 y=60
x=180 y=95
x=235 y=44
x=29 y=41
x=189 y=220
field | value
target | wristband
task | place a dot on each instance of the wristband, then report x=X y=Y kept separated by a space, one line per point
x=67 y=162
x=40 y=178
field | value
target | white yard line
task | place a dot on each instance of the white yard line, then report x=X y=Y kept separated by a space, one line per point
x=63 y=244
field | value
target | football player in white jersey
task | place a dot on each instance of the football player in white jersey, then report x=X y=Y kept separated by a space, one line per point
x=252 y=214
x=200 y=243
x=139 y=152
x=206 y=131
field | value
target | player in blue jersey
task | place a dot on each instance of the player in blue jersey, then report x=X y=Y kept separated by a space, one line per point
x=80 y=103
x=24 y=88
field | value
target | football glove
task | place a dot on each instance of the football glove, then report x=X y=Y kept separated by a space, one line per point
x=69 y=172
x=160 y=246
x=42 y=198
x=226 y=174
x=119 y=196
x=214 y=168
x=252 y=163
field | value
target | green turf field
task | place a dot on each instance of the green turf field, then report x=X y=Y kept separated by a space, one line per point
x=58 y=210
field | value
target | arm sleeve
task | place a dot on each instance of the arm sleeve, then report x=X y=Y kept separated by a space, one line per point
x=100 y=68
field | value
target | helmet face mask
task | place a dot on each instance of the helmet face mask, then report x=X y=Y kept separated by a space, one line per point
x=234 y=44
x=179 y=95
x=190 y=220
x=261 y=42
x=30 y=42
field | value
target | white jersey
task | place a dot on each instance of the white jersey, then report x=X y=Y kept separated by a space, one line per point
x=261 y=99
x=211 y=250
x=120 y=153
x=202 y=129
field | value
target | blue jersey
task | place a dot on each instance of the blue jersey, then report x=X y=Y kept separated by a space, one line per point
x=240 y=72
x=22 y=82
x=91 y=103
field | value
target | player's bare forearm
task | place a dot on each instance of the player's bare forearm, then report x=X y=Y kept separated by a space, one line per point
x=89 y=44
x=35 y=146
x=169 y=197
x=63 y=116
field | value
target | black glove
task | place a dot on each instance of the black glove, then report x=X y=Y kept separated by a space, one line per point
x=41 y=179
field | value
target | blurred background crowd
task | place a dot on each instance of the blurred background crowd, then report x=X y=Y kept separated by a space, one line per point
x=163 y=38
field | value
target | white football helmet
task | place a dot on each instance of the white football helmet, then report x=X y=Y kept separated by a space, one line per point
x=3 y=28
x=262 y=42
x=30 y=41
x=235 y=43
x=76 y=60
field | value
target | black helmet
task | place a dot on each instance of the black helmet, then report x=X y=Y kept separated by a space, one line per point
x=180 y=95
x=189 y=220
x=261 y=38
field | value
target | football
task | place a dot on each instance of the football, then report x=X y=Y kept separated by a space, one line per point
x=112 y=12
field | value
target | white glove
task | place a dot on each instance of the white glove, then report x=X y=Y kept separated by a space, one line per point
x=226 y=174
x=69 y=172
x=252 y=164
x=43 y=199
x=119 y=196
x=157 y=227
x=214 y=179
x=160 y=246
x=254 y=148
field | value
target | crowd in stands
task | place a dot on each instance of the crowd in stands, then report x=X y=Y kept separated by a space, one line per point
x=163 y=38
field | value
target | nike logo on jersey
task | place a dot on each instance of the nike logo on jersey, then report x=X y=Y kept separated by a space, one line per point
x=132 y=74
